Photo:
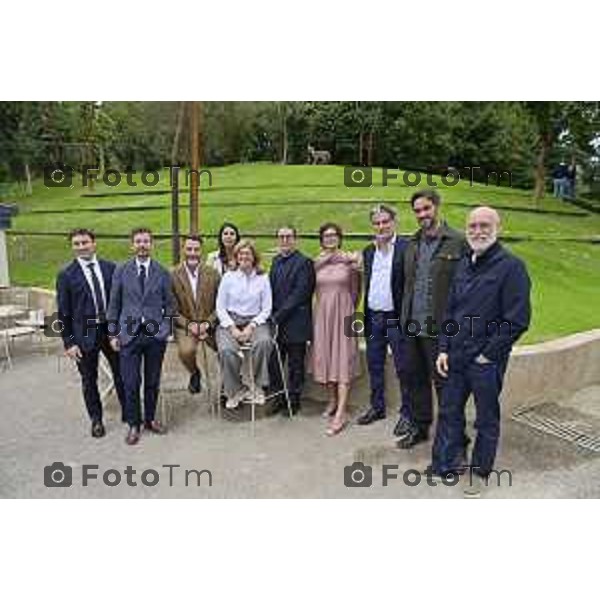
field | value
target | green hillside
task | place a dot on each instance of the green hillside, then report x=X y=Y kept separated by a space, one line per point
x=259 y=197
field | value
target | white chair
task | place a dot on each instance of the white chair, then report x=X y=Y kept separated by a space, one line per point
x=8 y=337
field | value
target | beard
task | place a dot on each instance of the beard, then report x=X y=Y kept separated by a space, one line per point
x=426 y=224
x=480 y=245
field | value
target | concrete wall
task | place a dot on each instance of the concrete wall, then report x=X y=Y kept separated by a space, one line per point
x=554 y=369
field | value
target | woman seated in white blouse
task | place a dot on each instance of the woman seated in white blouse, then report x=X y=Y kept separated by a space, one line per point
x=243 y=308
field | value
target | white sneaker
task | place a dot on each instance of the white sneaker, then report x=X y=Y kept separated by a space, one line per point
x=473 y=486
x=237 y=398
x=232 y=403
x=259 y=396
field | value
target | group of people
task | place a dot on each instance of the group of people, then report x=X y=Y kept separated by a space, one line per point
x=448 y=306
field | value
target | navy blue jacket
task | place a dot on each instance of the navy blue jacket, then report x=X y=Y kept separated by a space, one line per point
x=494 y=288
x=76 y=303
x=397 y=274
x=292 y=284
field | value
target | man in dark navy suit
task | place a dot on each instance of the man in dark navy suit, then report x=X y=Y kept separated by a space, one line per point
x=292 y=280
x=83 y=292
x=489 y=309
x=384 y=284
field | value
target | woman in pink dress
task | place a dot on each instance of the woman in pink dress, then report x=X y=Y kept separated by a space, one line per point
x=334 y=355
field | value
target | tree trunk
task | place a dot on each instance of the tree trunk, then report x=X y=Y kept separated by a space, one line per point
x=540 y=167
x=284 y=133
x=370 y=150
x=284 y=157
x=360 y=149
x=178 y=127
x=28 y=186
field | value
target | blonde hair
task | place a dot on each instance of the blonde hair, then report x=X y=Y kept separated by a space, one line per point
x=255 y=254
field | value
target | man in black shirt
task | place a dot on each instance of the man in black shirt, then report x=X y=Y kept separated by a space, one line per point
x=292 y=283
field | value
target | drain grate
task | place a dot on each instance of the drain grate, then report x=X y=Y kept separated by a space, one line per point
x=564 y=422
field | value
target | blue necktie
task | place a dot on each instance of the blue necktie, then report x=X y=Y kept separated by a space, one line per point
x=142 y=278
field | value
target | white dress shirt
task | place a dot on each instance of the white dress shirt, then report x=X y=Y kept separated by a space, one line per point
x=85 y=267
x=380 y=286
x=246 y=295
x=139 y=263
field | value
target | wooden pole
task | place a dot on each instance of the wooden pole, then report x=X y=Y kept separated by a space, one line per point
x=195 y=165
x=175 y=214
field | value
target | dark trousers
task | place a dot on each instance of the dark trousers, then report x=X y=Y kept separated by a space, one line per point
x=88 y=369
x=150 y=351
x=381 y=331
x=295 y=353
x=421 y=355
x=485 y=383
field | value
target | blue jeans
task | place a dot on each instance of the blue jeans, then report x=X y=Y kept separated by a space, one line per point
x=485 y=383
x=561 y=187
x=382 y=331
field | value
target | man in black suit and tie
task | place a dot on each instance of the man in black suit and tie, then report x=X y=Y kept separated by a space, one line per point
x=140 y=315
x=292 y=280
x=83 y=291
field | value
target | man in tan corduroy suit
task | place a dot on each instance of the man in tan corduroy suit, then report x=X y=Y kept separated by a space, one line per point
x=195 y=288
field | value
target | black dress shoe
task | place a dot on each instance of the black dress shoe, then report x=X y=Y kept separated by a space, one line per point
x=98 y=430
x=195 y=385
x=133 y=436
x=274 y=407
x=370 y=416
x=413 y=438
x=403 y=428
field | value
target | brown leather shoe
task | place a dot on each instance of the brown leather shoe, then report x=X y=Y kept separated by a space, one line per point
x=133 y=436
x=155 y=427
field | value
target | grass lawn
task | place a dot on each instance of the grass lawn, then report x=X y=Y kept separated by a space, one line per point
x=565 y=275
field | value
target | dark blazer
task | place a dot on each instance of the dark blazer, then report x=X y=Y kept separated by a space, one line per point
x=494 y=288
x=292 y=284
x=76 y=303
x=445 y=260
x=397 y=274
x=127 y=302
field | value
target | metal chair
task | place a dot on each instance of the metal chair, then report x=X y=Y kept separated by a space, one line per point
x=248 y=364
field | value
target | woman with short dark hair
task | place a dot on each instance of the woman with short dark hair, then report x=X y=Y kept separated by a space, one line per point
x=334 y=358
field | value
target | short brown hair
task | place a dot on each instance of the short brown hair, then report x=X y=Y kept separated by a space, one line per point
x=194 y=238
x=430 y=195
x=82 y=231
x=137 y=230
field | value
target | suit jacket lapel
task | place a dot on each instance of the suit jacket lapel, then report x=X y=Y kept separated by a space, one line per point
x=81 y=279
x=183 y=276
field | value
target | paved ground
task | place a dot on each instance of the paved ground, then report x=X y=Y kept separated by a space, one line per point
x=42 y=421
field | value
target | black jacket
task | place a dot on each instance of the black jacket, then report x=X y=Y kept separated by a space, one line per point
x=397 y=274
x=450 y=250
x=76 y=303
x=292 y=283
x=494 y=288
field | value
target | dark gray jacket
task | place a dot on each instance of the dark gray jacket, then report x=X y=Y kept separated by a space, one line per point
x=444 y=262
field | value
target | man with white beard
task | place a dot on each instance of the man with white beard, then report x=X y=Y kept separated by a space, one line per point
x=489 y=306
